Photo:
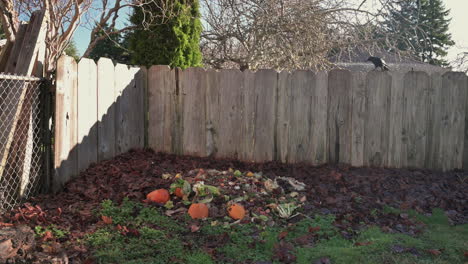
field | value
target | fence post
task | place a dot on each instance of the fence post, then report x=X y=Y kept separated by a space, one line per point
x=65 y=139
x=47 y=156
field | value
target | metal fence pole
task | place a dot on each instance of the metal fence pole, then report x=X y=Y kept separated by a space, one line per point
x=46 y=123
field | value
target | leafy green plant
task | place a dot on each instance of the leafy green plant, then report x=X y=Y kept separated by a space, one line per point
x=286 y=210
x=184 y=185
x=56 y=232
x=120 y=214
x=205 y=193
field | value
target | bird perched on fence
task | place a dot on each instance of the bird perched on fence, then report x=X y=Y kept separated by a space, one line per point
x=378 y=63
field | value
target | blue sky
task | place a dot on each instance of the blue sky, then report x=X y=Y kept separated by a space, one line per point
x=458 y=28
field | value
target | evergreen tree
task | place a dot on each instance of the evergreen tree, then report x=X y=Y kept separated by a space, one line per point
x=113 y=47
x=174 y=40
x=72 y=51
x=421 y=26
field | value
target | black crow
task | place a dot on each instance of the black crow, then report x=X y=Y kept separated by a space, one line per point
x=378 y=62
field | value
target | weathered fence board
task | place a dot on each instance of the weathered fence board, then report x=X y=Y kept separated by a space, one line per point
x=320 y=119
x=434 y=121
x=213 y=85
x=377 y=119
x=133 y=130
x=453 y=103
x=396 y=120
x=65 y=158
x=283 y=114
x=339 y=116
x=230 y=112
x=193 y=93
x=300 y=130
x=264 y=116
x=248 y=124
x=359 y=95
x=106 y=109
x=416 y=95
x=87 y=114
x=161 y=108
x=122 y=82
x=129 y=130
x=141 y=113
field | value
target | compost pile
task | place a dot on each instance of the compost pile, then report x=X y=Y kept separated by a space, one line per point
x=241 y=196
x=234 y=193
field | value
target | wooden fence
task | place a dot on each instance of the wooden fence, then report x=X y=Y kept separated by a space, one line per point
x=389 y=119
x=99 y=113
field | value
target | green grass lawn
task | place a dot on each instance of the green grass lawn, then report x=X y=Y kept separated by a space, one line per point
x=140 y=234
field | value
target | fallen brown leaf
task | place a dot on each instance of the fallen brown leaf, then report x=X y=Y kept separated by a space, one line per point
x=314 y=229
x=47 y=236
x=363 y=243
x=282 y=235
x=304 y=239
x=123 y=230
x=5 y=224
x=89 y=261
x=6 y=250
x=194 y=228
x=434 y=252
x=133 y=232
x=106 y=219
x=52 y=247
x=336 y=175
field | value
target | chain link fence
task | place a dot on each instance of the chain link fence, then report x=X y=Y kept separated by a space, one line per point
x=21 y=147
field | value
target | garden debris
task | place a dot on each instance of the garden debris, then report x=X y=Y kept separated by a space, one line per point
x=271 y=185
x=295 y=184
x=233 y=189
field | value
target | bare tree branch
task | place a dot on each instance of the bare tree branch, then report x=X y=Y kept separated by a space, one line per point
x=9 y=19
x=65 y=16
x=290 y=34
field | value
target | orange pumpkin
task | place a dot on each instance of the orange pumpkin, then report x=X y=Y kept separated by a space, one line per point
x=178 y=192
x=236 y=211
x=158 y=196
x=198 y=211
